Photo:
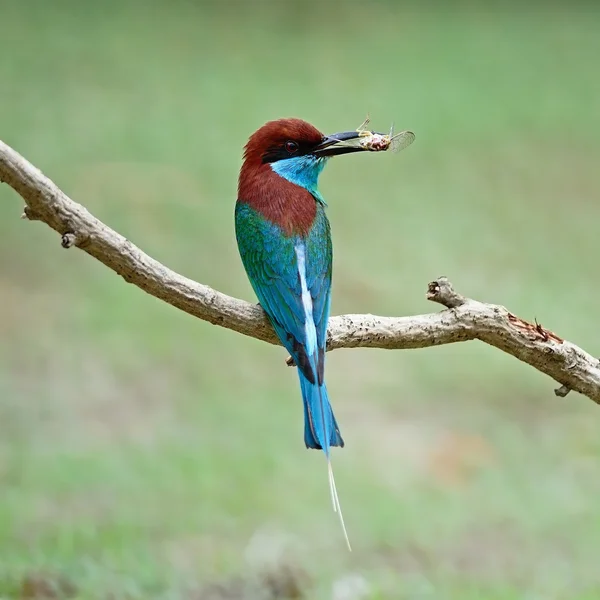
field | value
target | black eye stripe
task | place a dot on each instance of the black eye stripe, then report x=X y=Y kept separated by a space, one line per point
x=281 y=151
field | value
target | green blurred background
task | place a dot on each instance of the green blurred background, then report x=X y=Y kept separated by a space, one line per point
x=145 y=454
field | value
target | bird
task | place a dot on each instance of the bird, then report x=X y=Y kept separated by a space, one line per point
x=284 y=240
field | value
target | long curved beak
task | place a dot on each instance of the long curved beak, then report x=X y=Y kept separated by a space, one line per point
x=339 y=143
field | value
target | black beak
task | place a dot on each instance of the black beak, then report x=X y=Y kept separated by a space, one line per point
x=339 y=143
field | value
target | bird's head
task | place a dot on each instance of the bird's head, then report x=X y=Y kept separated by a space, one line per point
x=297 y=151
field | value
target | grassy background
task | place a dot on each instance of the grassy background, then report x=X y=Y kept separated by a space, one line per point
x=144 y=454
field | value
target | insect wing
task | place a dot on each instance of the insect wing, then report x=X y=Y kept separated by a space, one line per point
x=402 y=140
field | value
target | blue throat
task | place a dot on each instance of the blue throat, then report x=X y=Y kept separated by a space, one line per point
x=303 y=171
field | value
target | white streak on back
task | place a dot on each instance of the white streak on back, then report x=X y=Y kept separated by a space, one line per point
x=309 y=324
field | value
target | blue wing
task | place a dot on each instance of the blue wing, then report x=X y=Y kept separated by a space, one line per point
x=271 y=262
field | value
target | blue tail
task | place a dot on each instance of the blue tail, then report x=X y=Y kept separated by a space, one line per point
x=320 y=427
x=321 y=431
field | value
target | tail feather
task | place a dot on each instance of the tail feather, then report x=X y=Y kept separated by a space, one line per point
x=321 y=431
x=336 y=502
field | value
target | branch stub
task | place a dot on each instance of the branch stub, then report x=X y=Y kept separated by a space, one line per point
x=68 y=240
x=442 y=292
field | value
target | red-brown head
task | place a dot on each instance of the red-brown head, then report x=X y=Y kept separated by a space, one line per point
x=281 y=139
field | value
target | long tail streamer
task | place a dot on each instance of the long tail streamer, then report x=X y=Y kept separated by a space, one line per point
x=336 y=501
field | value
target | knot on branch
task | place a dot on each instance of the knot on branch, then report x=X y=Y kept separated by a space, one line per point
x=30 y=214
x=68 y=240
x=442 y=292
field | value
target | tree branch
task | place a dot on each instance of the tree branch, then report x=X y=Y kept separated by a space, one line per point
x=464 y=319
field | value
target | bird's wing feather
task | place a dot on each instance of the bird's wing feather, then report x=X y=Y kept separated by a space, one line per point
x=271 y=263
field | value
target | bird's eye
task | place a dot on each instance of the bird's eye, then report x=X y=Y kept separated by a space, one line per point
x=291 y=147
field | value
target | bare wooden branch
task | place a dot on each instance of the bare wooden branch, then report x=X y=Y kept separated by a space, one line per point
x=463 y=319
